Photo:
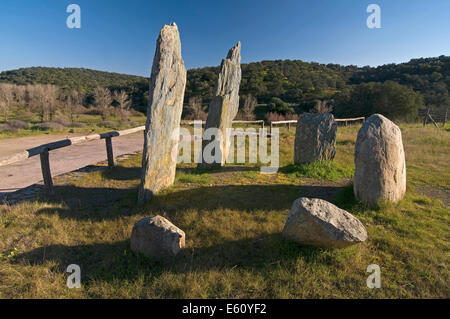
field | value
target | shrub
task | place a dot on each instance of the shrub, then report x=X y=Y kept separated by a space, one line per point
x=14 y=126
x=247 y=111
x=196 y=111
x=389 y=98
x=199 y=116
x=273 y=116
x=62 y=121
x=277 y=105
x=123 y=115
x=322 y=107
x=291 y=116
x=18 y=124
x=25 y=115
x=50 y=126
x=108 y=123
x=77 y=124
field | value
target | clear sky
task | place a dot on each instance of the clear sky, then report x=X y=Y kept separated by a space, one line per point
x=120 y=36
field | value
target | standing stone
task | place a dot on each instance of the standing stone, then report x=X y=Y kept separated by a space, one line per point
x=156 y=237
x=225 y=103
x=380 y=170
x=317 y=222
x=315 y=138
x=167 y=84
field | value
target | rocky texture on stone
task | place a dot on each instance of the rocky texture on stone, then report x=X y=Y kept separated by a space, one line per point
x=167 y=84
x=156 y=237
x=225 y=102
x=380 y=169
x=317 y=222
x=315 y=138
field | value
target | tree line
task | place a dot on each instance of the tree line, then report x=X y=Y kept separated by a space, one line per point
x=84 y=81
x=47 y=100
x=284 y=86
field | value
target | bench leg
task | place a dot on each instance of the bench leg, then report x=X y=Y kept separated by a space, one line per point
x=46 y=173
x=109 y=152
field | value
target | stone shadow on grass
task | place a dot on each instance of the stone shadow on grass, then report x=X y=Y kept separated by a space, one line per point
x=218 y=169
x=122 y=173
x=109 y=203
x=116 y=261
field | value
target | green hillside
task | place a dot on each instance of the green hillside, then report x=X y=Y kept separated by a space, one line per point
x=75 y=78
x=293 y=81
x=83 y=80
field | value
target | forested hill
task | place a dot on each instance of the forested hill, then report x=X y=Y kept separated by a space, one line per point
x=74 y=78
x=292 y=81
x=83 y=80
x=429 y=76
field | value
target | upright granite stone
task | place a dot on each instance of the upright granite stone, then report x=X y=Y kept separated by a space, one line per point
x=225 y=103
x=380 y=169
x=167 y=84
x=315 y=138
x=316 y=222
x=156 y=237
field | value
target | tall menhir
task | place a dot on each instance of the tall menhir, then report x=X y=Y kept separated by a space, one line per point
x=166 y=93
x=224 y=104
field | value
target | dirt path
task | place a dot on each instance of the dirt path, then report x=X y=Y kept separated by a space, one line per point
x=28 y=172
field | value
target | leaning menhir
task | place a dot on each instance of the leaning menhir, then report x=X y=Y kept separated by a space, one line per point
x=380 y=170
x=315 y=138
x=166 y=92
x=224 y=104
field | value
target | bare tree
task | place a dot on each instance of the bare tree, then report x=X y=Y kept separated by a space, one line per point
x=19 y=95
x=195 y=109
x=273 y=116
x=248 y=110
x=122 y=98
x=322 y=107
x=103 y=100
x=73 y=103
x=124 y=102
x=28 y=96
x=51 y=99
x=43 y=99
x=6 y=99
x=36 y=100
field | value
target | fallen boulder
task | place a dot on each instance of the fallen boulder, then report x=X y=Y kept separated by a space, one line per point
x=156 y=237
x=317 y=222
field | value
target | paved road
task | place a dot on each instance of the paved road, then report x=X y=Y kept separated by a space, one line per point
x=63 y=160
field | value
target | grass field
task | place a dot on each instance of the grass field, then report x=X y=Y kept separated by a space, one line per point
x=233 y=217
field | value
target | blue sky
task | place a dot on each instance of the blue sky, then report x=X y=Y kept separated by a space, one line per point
x=120 y=36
